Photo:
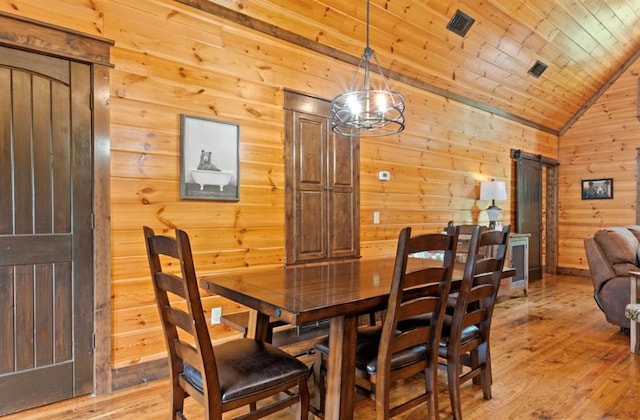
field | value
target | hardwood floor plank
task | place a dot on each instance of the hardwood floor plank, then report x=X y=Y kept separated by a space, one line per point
x=554 y=357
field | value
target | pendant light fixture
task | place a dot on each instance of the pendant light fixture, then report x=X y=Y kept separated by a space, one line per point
x=365 y=110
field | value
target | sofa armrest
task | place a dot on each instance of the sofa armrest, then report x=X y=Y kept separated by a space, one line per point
x=599 y=266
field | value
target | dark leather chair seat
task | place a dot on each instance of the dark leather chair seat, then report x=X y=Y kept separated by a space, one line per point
x=247 y=366
x=367 y=347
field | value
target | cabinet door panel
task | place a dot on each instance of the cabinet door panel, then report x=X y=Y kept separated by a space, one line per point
x=341 y=162
x=310 y=236
x=342 y=218
x=310 y=140
x=344 y=237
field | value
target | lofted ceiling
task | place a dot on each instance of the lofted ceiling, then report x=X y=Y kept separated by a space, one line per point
x=586 y=45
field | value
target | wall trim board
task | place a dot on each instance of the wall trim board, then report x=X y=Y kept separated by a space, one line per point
x=140 y=373
x=32 y=35
x=573 y=272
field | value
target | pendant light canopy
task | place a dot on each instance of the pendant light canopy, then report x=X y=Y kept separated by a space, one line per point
x=365 y=110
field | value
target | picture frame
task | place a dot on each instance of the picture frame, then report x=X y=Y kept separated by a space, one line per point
x=209 y=159
x=597 y=189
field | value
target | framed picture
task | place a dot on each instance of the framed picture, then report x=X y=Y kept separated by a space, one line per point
x=209 y=164
x=597 y=189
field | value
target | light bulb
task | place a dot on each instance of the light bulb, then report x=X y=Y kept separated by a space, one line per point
x=381 y=102
x=354 y=105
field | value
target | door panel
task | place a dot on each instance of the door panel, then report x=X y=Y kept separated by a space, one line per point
x=310 y=140
x=342 y=205
x=46 y=258
x=310 y=233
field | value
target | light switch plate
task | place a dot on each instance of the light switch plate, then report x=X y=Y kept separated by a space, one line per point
x=216 y=313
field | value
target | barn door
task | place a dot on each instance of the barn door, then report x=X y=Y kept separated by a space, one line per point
x=46 y=275
x=529 y=210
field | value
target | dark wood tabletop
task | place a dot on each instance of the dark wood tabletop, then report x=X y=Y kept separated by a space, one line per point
x=299 y=295
x=339 y=291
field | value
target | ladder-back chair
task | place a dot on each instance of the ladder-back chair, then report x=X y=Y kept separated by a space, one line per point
x=221 y=378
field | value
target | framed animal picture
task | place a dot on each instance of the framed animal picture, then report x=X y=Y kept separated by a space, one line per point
x=597 y=189
x=209 y=164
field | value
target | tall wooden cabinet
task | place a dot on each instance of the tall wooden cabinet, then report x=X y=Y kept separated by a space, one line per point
x=322 y=184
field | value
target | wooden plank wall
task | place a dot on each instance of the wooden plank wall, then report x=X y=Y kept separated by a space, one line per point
x=601 y=144
x=171 y=59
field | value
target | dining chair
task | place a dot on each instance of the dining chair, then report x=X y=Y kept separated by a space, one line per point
x=464 y=346
x=234 y=374
x=384 y=354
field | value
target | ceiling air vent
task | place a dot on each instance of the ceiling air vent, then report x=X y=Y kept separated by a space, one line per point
x=537 y=69
x=460 y=23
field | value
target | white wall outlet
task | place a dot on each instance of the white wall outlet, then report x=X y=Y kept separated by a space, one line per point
x=216 y=313
x=384 y=175
x=376 y=217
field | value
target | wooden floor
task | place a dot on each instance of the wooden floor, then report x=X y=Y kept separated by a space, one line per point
x=554 y=357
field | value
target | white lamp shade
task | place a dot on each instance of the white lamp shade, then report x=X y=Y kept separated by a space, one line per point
x=493 y=190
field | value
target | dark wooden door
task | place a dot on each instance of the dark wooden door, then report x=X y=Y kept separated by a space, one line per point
x=322 y=177
x=529 y=210
x=46 y=253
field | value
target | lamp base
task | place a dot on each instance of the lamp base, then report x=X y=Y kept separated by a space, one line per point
x=493 y=212
x=495 y=224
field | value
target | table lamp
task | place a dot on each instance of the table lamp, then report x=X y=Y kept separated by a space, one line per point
x=493 y=190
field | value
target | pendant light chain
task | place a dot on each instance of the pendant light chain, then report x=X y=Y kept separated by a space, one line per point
x=363 y=111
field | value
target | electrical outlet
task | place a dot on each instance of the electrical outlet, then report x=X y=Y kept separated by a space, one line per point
x=216 y=313
x=376 y=217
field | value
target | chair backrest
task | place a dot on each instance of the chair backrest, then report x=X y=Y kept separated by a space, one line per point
x=464 y=238
x=464 y=229
x=178 y=299
x=480 y=283
x=416 y=292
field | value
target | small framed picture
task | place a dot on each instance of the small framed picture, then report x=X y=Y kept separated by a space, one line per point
x=209 y=161
x=597 y=189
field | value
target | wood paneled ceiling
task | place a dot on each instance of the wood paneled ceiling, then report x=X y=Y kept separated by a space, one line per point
x=586 y=44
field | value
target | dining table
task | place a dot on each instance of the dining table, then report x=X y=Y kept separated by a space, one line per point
x=337 y=291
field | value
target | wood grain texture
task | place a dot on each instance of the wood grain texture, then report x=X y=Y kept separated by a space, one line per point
x=537 y=336
x=602 y=144
x=171 y=59
x=487 y=67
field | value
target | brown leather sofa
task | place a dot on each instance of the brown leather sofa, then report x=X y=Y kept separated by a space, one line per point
x=611 y=253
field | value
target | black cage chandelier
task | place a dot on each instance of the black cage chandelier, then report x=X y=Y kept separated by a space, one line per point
x=364 y=110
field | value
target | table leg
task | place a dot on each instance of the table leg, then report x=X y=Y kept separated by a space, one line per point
x=341 y=368
x=258 y=327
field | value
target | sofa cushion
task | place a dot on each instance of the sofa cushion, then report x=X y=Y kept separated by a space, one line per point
x=620 y=246
x=635 y=229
